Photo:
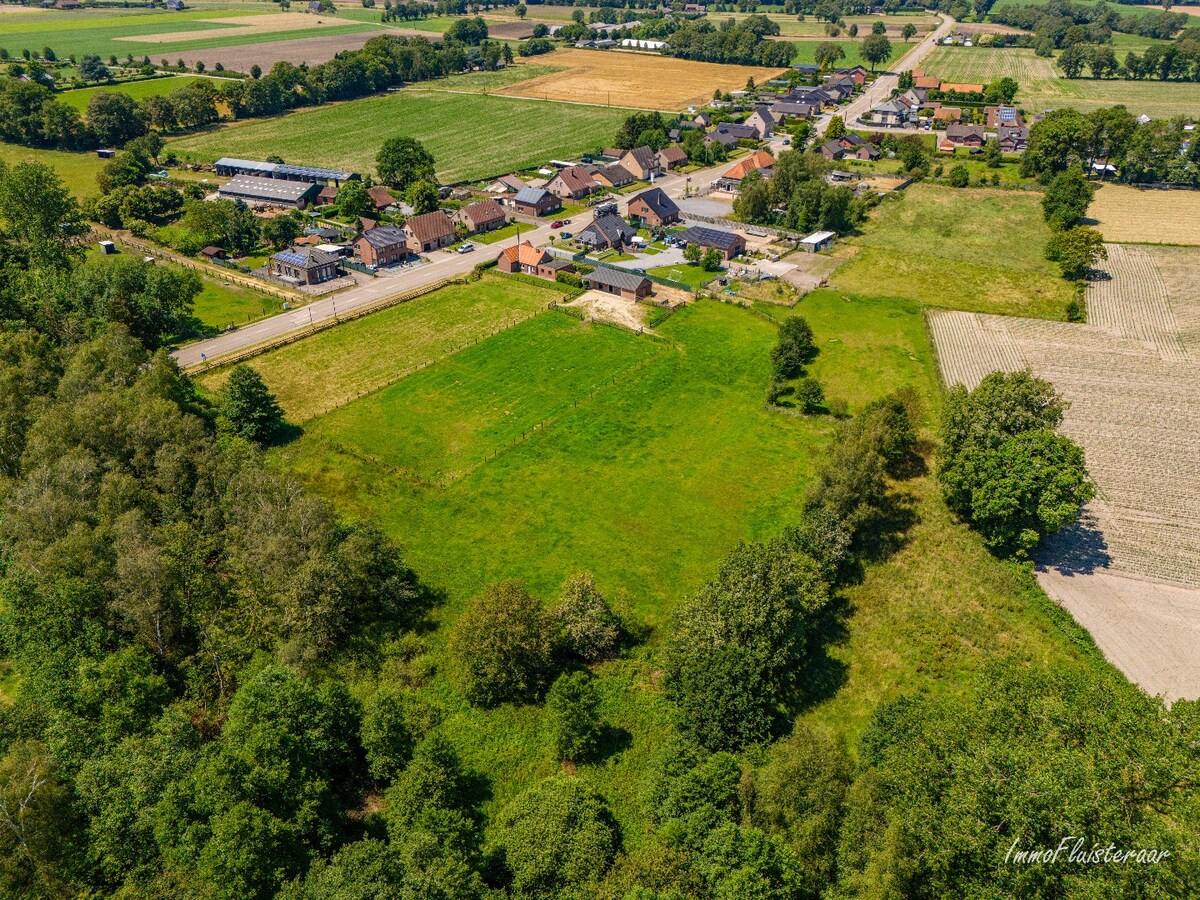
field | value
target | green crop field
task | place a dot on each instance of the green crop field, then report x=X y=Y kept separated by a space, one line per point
x=106 y=33
x=139 y=90
x=77 y=170
x=1043 y=87
x=936 y=245
x=341 y=363
x=470 y=135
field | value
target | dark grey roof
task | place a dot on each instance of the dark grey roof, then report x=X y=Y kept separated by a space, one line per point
x=621 y=279
x=384 y=236
x=709 y=237
x=267 y=189
x=834 y=148
x=736 y=129
x=530 y=195
x=658 y=201
x=611 y=227
x=644 y=157
x=305 y=257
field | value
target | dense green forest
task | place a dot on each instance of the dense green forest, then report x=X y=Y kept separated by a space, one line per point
x=178 y=617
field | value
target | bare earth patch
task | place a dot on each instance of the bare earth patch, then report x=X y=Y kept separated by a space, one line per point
x=635 y=80
x=1130 y=569
x=608 y=308
x=311 y=50
x=1147 y=216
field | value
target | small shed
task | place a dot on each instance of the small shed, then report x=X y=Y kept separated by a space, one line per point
x=108 y=247
x=211 y=252
x=818 y=240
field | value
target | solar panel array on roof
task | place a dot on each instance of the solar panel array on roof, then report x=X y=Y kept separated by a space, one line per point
x=709 y=237
x=285 y=171
x=1008 y=114
x=296 y=259
x=229 y=162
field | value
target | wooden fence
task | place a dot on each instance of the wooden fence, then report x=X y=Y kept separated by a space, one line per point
x=220 y=273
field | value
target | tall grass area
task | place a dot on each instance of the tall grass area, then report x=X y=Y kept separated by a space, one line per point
x=979 y=250
x=647 y=484
x=470 y=136
x=77 y=170
x=337 y=365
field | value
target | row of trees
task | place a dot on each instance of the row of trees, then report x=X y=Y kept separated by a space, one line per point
x=798 y=197
x=1178 y=61
x=1155 y=151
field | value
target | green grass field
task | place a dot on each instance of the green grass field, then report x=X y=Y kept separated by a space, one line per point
x=806 y=52
x=220 y=305
x=138 y=90
x=687 y=273
x=77 y=170
x=339 y=364
x=103 y=32
x=1043 y=87
x=972 y=249
x=470 y=136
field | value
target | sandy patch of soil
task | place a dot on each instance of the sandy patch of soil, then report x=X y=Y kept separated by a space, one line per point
x=608 y=308
x=311 y=50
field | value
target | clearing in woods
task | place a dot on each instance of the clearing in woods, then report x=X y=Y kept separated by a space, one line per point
x=634 y=80
x=1140 y=215
x=138 y=90
x=1043 y=87
x=471 y=136
x=1131 y=380
x=937 y=245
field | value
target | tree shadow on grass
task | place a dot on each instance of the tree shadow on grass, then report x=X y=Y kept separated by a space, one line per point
x=611 y=742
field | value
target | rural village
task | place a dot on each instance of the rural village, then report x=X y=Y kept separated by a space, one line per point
x=624 y=450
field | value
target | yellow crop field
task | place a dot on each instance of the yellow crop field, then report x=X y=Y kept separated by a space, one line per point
x=638 y=80
x=1136 y=215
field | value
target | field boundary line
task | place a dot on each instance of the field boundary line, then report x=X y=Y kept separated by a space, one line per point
x=293 y=336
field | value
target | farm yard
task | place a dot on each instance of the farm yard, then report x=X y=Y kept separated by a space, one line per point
x=1043 y=87
x=155 y=33
x=1130 y=380
x=935 y=245
x=1139 y=215
x=470 y=135
x=635 y=80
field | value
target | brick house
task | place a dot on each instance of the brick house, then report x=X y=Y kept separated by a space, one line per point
x=641 y=163
x=303 y=265
x=430 y=231
x=970 y=136
x=671 y=158
x=533 y=201
x=760 y=161
x=762 y=122
x=621 y=282
x=481 y=216
x=527 y=259
x=380 y=198
x=607 y=232
x=572 y=183
x=613 y=176
x=653 y=208
x=382 y=246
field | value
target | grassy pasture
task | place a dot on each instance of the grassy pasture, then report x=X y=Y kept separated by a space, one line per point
x=975 y=249
x=1042 y=86
x=221 y=304
x=110 y=33
x=77 y=170
x=470 y=135
x=338 y=364
x=806 y=52
x=138 y=90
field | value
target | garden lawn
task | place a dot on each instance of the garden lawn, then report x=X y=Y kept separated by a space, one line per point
x=973 y=249
x=471 y=136
x=338 y=364
x=138 y=90
x=220 y=305
x=688 y=273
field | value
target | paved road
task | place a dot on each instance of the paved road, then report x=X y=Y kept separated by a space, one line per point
x=880 y=89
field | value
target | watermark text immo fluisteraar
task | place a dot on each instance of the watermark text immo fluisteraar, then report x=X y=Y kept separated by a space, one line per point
x=1072 y=849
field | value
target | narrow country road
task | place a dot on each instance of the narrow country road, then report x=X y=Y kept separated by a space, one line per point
x=879 y=90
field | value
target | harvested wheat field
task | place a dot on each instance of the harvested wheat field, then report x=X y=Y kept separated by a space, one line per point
x=311 y=50
x=1130 y=570
x=634 y=80
x=1147 y=216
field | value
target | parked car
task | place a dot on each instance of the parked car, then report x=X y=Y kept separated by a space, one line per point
x=466 y=248
x=557 y=223
x=566 y=235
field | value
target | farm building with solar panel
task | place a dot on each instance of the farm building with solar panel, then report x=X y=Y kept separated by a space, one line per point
x=304 y=265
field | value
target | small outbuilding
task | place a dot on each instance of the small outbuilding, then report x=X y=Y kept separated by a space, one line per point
x=621 y=282
x=818 y=240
